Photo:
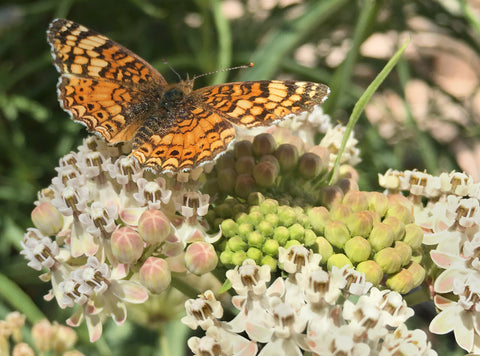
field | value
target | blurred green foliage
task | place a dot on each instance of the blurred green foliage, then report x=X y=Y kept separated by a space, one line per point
x=35 y=132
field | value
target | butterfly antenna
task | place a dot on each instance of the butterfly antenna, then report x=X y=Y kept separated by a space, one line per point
x=249 y=65
x=171 y=68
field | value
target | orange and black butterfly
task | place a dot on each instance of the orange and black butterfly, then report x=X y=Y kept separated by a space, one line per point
x=173 y=127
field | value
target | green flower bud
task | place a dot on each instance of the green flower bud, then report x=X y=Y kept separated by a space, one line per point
x=323 y=248
x=381 y=236
x=297 y=232
x=358 y=249
x=287 y=156
x=126 y=245
x=155 y=274
x=374 y=215
x=338 y=260
x=336 y=232
x=265 y=173
x=229 y=228
x=242 y=148
x=389 y=260
x=292 y=243
x=244 y=229
x=200 y=258
x=310 y=165
x=286 y=215
x=330 y=195
x=401 y=282
x=373 y=272
x=226 y=257
x=281 y=235
x=255 y=254
x=404 y=250
x=401 y=212
x=238 y=208
x=238 y=258
x=378 y=202
x=270 y=261
x=269 y=206
x=227 y=179
x=417 y=255
x=254 y=217
x=244 y=185
x=340 y=212
x=303 y=220
x=360 y=223
x=255 y=239
x=357 y=200
x=245 y=164
x=310 y=238
x=273 y=219
x=265 y=228
x=263 y=144
x=236 y=243
x=397 y=226
x=418 y=273
x=413 y=235
x=270 y=247
x=319 y=217
x=47 y=218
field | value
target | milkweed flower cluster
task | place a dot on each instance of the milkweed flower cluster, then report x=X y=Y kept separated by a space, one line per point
x=307 y=310
x=447 y=209
x=115 y=226
x=46 y=337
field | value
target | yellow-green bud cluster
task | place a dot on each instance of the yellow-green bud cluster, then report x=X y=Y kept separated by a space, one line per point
x=279 y=171
x=366 y=230
x=258 y=232
x=373 y=233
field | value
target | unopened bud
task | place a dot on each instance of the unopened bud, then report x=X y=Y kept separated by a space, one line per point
x=401 y=282
x=200 y=258
x=336 y=232
x=154 y=227
x=155 y=274
x=360 y=223
x=357 y=200
x=389 y=260
x=287 y=156
x=323 y=248
x=47 y=218
x=373 y=272
x=381 y=236
x=358 y=249
x=127 y=245
x=319 y=217
x=413 y=236
x=338 y=260
x=263 y=144
x=378 y=202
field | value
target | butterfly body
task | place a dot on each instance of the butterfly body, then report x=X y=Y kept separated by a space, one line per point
x=119 y=95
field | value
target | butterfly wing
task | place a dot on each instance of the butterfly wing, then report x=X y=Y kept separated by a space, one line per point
x=102 y=84
x=194 y=136
x=260 y=103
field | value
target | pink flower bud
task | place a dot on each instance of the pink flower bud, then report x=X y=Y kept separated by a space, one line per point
x=155 y=274
x=200 y=258
x=154 y=227
x=47 y=218
x=127 y=245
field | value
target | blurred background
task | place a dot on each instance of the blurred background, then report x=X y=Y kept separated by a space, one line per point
x=425 y=115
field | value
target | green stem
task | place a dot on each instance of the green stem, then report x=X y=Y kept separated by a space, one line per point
x=362 y=102
x=224 y=58
x=184 y=287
